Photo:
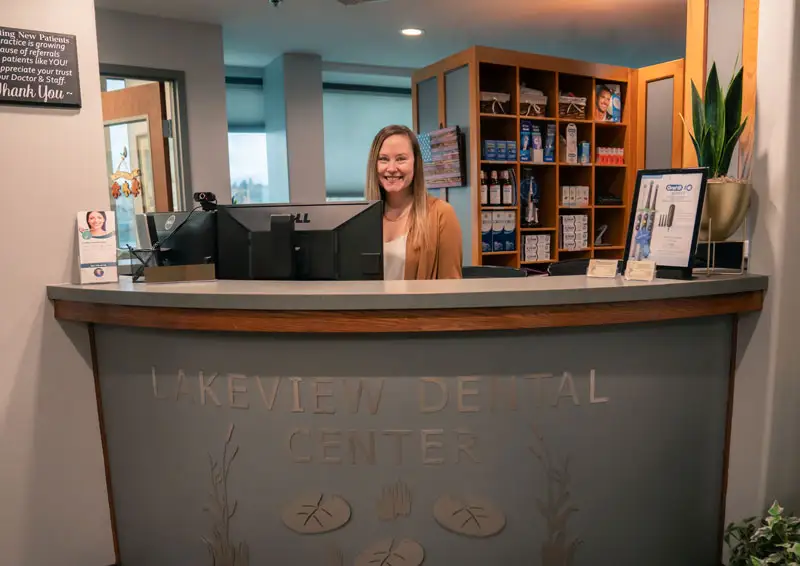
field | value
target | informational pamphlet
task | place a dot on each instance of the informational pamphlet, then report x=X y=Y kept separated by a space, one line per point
x=666 y=218
x=97 y=246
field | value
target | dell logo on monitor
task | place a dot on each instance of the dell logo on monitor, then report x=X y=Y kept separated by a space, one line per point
x=677 y=188
x=301 y=218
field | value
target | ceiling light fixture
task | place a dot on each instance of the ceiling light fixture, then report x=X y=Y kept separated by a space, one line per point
x=411 y=32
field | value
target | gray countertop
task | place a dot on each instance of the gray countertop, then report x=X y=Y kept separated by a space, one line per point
x=376 y=295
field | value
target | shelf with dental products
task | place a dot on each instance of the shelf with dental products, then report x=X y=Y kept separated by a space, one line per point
x=550 y=159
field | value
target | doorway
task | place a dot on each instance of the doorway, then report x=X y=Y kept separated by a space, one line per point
x=146 y=157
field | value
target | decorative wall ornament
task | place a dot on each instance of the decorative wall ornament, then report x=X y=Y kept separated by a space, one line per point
x=125 y=183
x=470 y=516
x=316 y=513
x=223 y=551
x=392 y=552
x=558 y=549
x=395 y=501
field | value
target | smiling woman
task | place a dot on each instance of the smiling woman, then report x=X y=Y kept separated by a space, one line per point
x=422 y=236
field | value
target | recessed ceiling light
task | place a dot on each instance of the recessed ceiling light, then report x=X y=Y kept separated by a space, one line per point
x=413 y=32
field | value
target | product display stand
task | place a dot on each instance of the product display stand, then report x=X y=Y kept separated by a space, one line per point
x=711 y=246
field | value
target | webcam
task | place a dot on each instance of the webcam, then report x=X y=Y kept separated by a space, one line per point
x=207 y=200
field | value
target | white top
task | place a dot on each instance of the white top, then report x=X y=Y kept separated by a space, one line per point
x=394 y=259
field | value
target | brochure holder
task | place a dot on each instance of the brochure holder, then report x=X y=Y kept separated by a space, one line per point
x=665 y=220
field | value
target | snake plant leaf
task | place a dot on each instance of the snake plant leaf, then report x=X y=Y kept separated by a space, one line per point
x=708 y=147
x=697 y=150
x=733 y=104
x=730 y=146
x=698 y=118
x=712 y=100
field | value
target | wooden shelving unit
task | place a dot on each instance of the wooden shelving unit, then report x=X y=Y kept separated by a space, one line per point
x=502 y=71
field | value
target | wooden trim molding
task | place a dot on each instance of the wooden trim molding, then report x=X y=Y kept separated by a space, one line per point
x=408 y=321
x=695 y=66
x=749 y=64
x=104 y=442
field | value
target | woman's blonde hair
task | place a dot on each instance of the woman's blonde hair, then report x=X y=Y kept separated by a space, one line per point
x=418 y=216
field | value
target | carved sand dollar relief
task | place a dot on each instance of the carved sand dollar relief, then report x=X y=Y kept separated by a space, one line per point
x=392 y=552
x=316 y=513
x=469 y=516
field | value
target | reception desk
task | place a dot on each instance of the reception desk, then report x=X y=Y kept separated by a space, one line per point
x=550 y=421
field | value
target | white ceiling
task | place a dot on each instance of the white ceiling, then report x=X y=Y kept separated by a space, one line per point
x=626 y=32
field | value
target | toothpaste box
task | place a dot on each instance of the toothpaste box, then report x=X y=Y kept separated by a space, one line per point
x=489 y=150
x=486 y=230
x=511 y=151
x=509 y=230
x=525 y=140
x=501 y=147
x=498 y=239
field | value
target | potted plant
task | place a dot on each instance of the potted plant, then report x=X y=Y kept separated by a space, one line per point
x=774 y=540
x=716 y=127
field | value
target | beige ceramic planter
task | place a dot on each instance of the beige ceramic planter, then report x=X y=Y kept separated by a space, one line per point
x=726 y=205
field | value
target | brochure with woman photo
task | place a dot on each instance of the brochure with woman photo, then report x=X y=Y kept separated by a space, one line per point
x=97 y=246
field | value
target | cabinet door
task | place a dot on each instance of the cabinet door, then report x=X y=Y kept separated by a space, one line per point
x=659 y=128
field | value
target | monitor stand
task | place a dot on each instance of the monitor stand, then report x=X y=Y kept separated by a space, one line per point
x=281 y=262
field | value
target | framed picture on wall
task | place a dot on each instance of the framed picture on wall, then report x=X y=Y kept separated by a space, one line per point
x=665 y=220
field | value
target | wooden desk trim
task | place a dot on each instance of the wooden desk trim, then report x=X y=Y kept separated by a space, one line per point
x=421 y=320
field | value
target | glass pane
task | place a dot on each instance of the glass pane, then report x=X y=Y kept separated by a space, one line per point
x=130 y=170
x=248 y=165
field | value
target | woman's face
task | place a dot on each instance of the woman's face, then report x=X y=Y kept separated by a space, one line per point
x=396 y=164
x=603 y=101
x=95 y=221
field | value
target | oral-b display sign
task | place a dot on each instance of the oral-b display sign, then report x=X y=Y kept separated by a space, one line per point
x=678 y=188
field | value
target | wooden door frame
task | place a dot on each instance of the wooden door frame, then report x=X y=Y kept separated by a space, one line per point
x=120 y=106
x=183 y=168
x=670 y=70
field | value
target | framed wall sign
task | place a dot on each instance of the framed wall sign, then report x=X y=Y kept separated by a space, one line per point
x=665 y=220
x=39 y=68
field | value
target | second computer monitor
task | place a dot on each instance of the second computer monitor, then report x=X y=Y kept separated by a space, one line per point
x=326 y=241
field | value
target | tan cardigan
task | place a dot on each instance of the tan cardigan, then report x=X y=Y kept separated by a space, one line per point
x=443 y=257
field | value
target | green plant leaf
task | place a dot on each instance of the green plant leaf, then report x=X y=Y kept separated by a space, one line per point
x=733 y=104
x=698 y=118
x=696 y=145
x=712 y=100
x=708 y=151
x=730 y=146
x=776 y=509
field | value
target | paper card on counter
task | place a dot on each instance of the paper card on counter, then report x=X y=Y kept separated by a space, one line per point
x=640 y=270
x=602 y=268
x=97 y=246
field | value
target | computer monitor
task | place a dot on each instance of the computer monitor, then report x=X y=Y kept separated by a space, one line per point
x=183 y=238
x=327 y=241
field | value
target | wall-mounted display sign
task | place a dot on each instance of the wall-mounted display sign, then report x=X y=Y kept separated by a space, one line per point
x=665 y=220
x=443 y=155
x=97 y=246
x=38 y=68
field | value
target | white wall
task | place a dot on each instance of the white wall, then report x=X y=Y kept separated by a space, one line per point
x=765 y=452
x=53 y=502
x=196 y=49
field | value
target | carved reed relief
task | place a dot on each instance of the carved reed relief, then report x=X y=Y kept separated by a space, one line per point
x=395 y=501
x=223 y=550
x=558 y=548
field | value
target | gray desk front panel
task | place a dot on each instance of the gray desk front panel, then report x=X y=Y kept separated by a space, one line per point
x=644 y=438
